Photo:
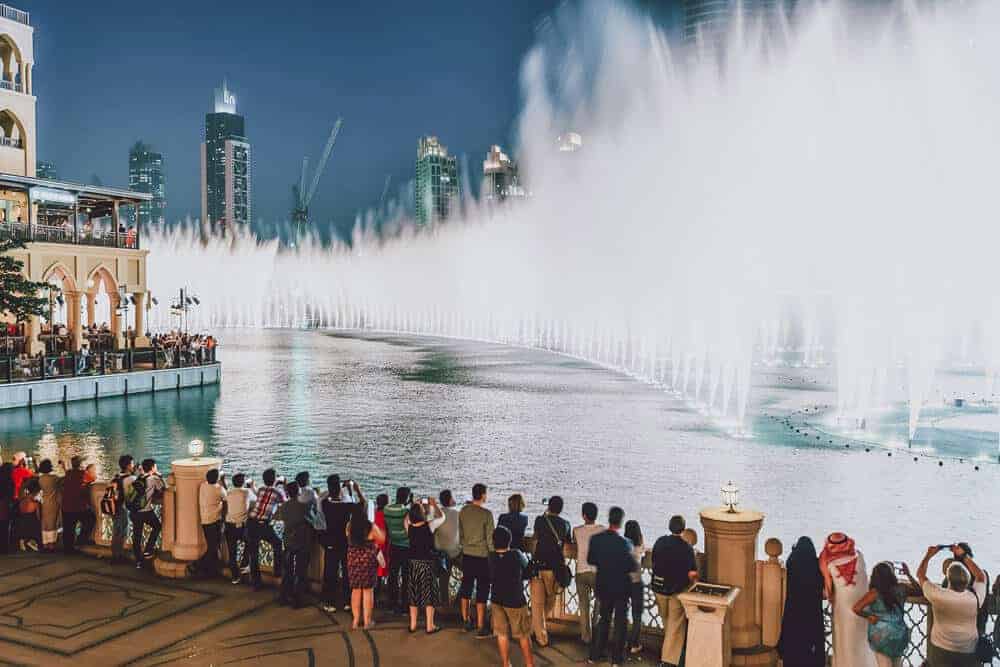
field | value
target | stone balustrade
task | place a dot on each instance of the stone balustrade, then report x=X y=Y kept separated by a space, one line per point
x=764 y=597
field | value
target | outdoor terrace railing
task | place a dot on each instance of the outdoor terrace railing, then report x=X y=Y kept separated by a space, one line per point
x=52 y=366
x=12 y=142
x=7 y=84
x=14 y=14
x=22 y=231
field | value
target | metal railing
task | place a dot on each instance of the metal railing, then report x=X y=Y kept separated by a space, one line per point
x=7 y=84
x=14 y=14
x=28 y=369
x=12 y=142
x=22 y=231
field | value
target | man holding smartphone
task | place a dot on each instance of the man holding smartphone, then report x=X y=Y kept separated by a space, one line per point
x=956 y=609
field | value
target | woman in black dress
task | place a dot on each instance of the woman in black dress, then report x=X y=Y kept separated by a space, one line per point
x=802 y=641
x=423 y=580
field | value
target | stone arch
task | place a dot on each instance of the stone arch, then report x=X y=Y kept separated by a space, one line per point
x=60 y=271
x=101 y=273
x=10 y=56
x=12 y=129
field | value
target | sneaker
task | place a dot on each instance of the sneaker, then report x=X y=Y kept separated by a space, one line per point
x=138 y=565
x=329 y=608
x=347 y=607
x=236 y=579
x=245 y=570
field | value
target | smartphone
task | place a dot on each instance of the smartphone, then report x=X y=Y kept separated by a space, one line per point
x=945 y=546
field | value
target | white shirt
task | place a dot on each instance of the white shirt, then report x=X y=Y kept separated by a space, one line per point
x=210 y=499
x=582 y=535
x=238 y=503
x=446 y=533
x=954 y=616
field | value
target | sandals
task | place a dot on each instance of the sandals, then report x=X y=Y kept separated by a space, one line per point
x=434 y=631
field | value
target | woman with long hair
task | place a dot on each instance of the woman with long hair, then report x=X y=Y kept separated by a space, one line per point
x=882 y=608
x=633 y=533
x=802 y=636
x=845 y=581
x=363 y=540
x=423 y=580
x=51 y=485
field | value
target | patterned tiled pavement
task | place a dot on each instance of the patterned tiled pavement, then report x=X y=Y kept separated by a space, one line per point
x=57 y=610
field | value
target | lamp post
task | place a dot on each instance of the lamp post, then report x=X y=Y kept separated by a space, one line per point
x=731 y=498
x=196 y=448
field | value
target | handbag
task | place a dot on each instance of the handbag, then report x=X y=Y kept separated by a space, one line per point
x=561 y=570
x=985 y=650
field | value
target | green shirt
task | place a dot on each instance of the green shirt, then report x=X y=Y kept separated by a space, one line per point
x=475 y=530
x=394 y=515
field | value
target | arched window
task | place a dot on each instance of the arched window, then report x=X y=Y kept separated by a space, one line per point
x=11 y=130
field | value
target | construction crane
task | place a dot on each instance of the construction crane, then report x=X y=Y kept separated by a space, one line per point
x=300 y=196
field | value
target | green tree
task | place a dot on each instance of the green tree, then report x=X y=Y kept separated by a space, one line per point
x=18 y=295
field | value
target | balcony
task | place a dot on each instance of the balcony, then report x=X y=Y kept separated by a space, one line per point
x=11 y=141
x=26 y=233
x=13 y=14
x=6 y=84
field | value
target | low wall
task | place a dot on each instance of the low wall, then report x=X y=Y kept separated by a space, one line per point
x=91 y=387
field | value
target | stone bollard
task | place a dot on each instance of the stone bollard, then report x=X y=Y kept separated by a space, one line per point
x=771 y=601
x=708 y=610
x=188 y=541
x=731 y=559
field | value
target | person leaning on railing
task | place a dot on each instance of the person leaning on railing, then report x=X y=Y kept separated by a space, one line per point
x=956 y=608
x=674 y=569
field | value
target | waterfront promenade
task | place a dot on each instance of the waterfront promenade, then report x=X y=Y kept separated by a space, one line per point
x=57 y=610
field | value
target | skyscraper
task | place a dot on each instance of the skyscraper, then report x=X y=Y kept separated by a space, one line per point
x=437 y=187
x=500 y=178
x=226 y=192
x=145 y=174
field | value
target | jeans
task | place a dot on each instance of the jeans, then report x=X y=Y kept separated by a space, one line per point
x=399 y=577
x=234 y=535
x=637 y=599
x=86 y=520
x=610 y=605
x=295 y=580
x=119 y=531
x=585 y=582
x=257 y=531
x=335 y=587
x=674 y=628
x=139 y=521
x=209 y=562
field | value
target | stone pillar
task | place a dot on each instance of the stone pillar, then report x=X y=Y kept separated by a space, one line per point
x=74 y=323
x=91 y=298
x=140 y=320
x=188 y=474
x=169 y=514
x=709 y=637
x=731 y=554
x=34 y=330
x=117 y=326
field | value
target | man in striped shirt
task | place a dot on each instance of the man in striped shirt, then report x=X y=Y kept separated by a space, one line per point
x=259 y=526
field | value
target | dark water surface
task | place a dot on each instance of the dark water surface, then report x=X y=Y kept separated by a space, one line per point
x=433 y=414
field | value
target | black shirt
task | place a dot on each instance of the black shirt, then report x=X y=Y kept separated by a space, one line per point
x=612 y=555
x=337 y=515
x=517 y=524
x=549 y=541
x=673 y=558
x=507 y=572
x=421 y=542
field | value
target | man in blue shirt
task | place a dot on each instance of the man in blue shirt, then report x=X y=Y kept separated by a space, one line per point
x=611 y=554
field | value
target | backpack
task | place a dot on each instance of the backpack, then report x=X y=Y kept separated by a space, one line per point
x=135 y=496
x=109 y=502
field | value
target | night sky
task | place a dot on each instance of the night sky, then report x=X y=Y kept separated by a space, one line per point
x=111 y=72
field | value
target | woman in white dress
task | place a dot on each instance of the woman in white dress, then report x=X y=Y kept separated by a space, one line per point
x=846 y=581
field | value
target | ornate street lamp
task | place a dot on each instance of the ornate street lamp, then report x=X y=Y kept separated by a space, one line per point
x=731 y=497
x=196 y=448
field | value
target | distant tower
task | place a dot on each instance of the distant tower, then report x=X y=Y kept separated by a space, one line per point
x=437 y=187
x=500 y=178
x=226 y=186
x=145 y=174
x=17 y=101
x=47 y=170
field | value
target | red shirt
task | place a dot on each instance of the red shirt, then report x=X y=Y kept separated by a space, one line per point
x=19 y=474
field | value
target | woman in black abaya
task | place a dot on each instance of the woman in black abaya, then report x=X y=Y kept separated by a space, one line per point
x=802 y=640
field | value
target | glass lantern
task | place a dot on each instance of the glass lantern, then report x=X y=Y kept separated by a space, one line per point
x=196 y=448
x=731 y=497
